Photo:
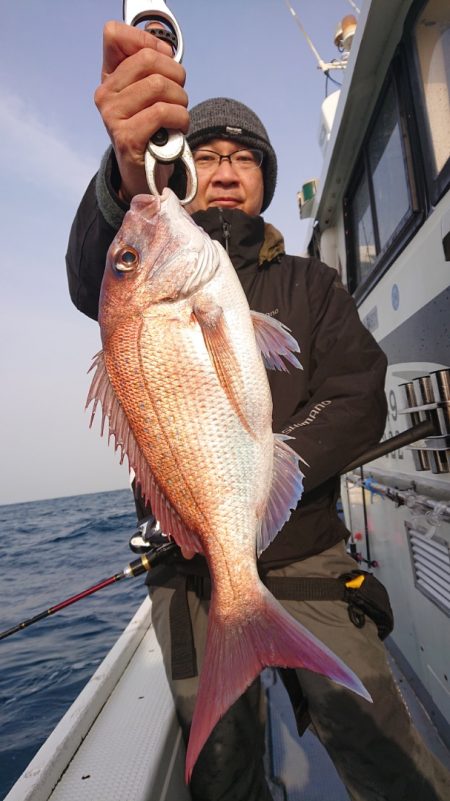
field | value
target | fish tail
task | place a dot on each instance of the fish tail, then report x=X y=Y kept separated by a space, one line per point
x=235 y=655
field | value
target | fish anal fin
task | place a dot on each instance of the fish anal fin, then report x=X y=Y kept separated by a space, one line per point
x=275 y=342
x=102 y=391
x=285 y=492
x=170 y=521
x=211 y=320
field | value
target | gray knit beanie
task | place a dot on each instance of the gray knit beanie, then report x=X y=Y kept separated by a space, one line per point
x=222 y=117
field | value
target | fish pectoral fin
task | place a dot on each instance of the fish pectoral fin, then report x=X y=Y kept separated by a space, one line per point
x=211 y=320
x=285 y=492
x=274 y=341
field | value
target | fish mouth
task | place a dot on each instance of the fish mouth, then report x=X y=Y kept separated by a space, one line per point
x=150 y=205
x=146 y=206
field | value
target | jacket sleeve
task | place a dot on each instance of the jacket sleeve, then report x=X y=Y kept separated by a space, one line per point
x=96 y=223
x=346 y=409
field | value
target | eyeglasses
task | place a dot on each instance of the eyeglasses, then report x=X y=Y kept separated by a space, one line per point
x=245 y=159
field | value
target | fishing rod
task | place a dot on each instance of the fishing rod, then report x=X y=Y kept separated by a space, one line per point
x=139 y=566
x=159 y=549
x=419 y=431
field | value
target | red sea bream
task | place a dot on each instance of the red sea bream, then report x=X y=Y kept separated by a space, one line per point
x=182 y=381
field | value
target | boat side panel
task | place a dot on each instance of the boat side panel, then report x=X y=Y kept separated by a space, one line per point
x=422 y=630
x=46 y=768
x=134 y=749
x=120 y=738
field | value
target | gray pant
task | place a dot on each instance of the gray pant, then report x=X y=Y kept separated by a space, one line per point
x=374 y=747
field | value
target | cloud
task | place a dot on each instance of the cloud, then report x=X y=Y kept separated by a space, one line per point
x=38 y=153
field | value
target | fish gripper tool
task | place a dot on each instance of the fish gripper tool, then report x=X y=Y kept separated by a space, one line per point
x=165 y=146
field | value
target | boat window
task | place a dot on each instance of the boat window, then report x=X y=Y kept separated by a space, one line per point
x=364 y=238
x=432 y=38
x=388 y=170
x=381 y=198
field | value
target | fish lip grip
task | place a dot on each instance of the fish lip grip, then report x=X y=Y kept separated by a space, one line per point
x=175 y=148
x=165 y=146
x=136 y=11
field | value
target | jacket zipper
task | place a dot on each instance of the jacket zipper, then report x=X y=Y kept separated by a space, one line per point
x=226 y=229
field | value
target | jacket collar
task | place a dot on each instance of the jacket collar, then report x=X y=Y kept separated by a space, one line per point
x=249 y=240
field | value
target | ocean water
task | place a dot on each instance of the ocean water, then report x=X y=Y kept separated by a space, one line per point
x=50 y=550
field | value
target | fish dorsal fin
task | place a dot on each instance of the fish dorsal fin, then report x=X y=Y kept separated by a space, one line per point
x=274 y=341
x=211 y=320
x=102 y=391
x=285 y=492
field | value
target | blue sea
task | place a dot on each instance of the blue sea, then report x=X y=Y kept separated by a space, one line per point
x=50 y=550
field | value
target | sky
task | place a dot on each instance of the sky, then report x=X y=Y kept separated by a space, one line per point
x=52 y=139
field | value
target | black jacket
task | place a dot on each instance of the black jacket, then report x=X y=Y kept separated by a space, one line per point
x=334 y=408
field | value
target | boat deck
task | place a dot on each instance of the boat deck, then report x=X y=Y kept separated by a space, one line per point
x=120 y=741
x=300 y=767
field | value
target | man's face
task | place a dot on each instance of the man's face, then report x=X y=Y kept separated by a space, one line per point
x=225 y=186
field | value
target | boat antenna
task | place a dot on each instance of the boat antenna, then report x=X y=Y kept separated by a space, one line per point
x=322 y=65
x=353 y=5
x=319 y=60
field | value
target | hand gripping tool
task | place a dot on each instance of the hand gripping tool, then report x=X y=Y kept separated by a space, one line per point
x=165 y=146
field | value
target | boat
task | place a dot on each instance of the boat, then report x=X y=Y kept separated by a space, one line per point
x=379 y=214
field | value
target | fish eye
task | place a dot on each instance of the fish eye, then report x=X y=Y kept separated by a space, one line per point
x=126 y=260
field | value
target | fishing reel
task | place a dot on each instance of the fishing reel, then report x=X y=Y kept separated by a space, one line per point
x=150 y=540
x=147 y=536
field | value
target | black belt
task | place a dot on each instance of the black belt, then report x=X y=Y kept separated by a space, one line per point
x=282 y=587
x=184 y=660
x=364 y=597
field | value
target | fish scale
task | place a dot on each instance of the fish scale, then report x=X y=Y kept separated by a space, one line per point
x=206 y=457
x=181 y=404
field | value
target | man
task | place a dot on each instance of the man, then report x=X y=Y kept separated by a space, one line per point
x=334 y=409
